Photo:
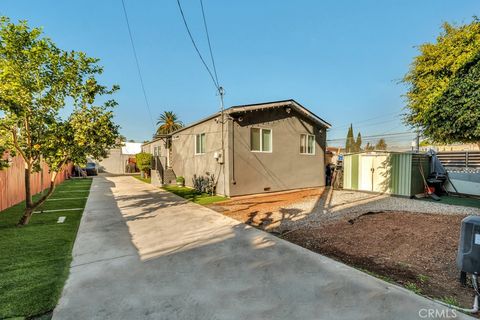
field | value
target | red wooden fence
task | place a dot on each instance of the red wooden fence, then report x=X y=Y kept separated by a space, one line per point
x=12 y=182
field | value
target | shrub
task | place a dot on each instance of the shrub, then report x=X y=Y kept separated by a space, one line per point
x=181 y=180
x=144 y=162
x=203 y=184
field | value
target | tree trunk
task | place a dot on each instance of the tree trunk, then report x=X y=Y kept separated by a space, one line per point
x=29 y=209
x=28 y=190
x=27 y=214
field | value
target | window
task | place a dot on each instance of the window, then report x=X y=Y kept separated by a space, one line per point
x=307 y=144
x=260 y=140
x=200 y=143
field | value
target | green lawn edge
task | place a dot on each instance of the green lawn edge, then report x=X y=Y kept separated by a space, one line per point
x=35 y=259
x=188 y=193
x=192 y=195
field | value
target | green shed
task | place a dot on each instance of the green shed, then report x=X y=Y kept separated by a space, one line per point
x=396 y=173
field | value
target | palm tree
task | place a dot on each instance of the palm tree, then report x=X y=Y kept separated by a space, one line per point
x=168 y=122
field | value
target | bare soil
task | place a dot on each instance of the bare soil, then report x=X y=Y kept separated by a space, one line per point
x=412 y=249
x=266 y=211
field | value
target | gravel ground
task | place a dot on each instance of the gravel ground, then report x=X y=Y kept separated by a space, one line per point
x=339 y=204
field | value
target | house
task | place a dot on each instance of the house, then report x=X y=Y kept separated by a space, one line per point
x=257 y=148
x=120 y=160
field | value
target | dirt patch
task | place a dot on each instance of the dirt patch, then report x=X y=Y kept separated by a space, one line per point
x=269 y=211
x=412 y=249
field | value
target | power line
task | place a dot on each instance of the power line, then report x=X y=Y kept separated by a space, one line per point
x=346 y=125
x=365 y=125
x=209 y=45
x=215 y=83
x=378 y=136
x=137 y=64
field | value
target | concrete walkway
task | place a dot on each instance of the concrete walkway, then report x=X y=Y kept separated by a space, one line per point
x=142 y=253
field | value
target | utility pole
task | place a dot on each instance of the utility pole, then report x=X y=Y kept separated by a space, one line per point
x=221 y=92
x=417 y=142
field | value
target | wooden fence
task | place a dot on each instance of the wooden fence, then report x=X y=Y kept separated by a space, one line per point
x=12 y=182
x=460 y=159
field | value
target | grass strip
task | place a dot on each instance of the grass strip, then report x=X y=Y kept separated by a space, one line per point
x=35 y=259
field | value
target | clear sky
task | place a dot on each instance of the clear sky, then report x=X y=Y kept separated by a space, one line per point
x=341 y=59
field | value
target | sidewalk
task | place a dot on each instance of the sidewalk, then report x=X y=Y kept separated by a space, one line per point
x=142 y=253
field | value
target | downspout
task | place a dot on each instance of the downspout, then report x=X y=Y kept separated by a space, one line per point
x=233 y=153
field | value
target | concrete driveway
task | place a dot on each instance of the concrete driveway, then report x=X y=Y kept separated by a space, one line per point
x=142 y=253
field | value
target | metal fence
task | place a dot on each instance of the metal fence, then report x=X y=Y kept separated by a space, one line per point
x=12 y=182
x=460 y=159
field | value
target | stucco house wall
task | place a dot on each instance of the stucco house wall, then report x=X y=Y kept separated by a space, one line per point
x=185 y=162
x=284 y=168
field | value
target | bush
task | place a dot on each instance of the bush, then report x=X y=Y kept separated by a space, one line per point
x=144 y=162
x=180 y=181
x=203 y=184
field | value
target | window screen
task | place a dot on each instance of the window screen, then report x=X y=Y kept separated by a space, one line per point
x=200 y=143
x=255 y=139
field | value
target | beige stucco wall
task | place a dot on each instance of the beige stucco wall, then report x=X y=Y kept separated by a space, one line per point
x=186 y=163
x=282 y=169
x=114 y=163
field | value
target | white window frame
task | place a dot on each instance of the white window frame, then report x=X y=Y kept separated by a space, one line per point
x=261 y=140
x=306 y=135
x=196 y=136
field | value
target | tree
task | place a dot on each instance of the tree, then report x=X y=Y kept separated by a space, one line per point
x=381 y=145
x=36 y=81
x=369 y=147
x=443 y=86
x=168 y=122
x=144 y=162
x=349 y=143
x=358 y=143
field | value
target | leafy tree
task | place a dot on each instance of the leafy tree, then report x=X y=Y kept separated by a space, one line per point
x=350 y=142
x=443 y=86
x=381 y=145
x=144 y=162
x=168 y=122
x=36 y=81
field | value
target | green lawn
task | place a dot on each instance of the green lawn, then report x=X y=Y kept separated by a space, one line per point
x=35 y=259
x=146 y=180
x=192 y=195
x=458 y=201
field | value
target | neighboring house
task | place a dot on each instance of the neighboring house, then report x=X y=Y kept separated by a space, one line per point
x=120 y=160
x=271 y=146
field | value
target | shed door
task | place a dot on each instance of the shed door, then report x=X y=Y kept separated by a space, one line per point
x=381 y=174
x=366 y=172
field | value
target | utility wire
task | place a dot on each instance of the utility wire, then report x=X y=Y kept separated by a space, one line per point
x=346 y=125
x=137 y=64
x=215 y=83
x=378 y=136
x=209 y=45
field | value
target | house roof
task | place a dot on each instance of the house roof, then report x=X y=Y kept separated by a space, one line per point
x=282 y=103
x=265 y=105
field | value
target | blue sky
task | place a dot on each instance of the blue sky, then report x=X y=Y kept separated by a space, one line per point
x=341 y=59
